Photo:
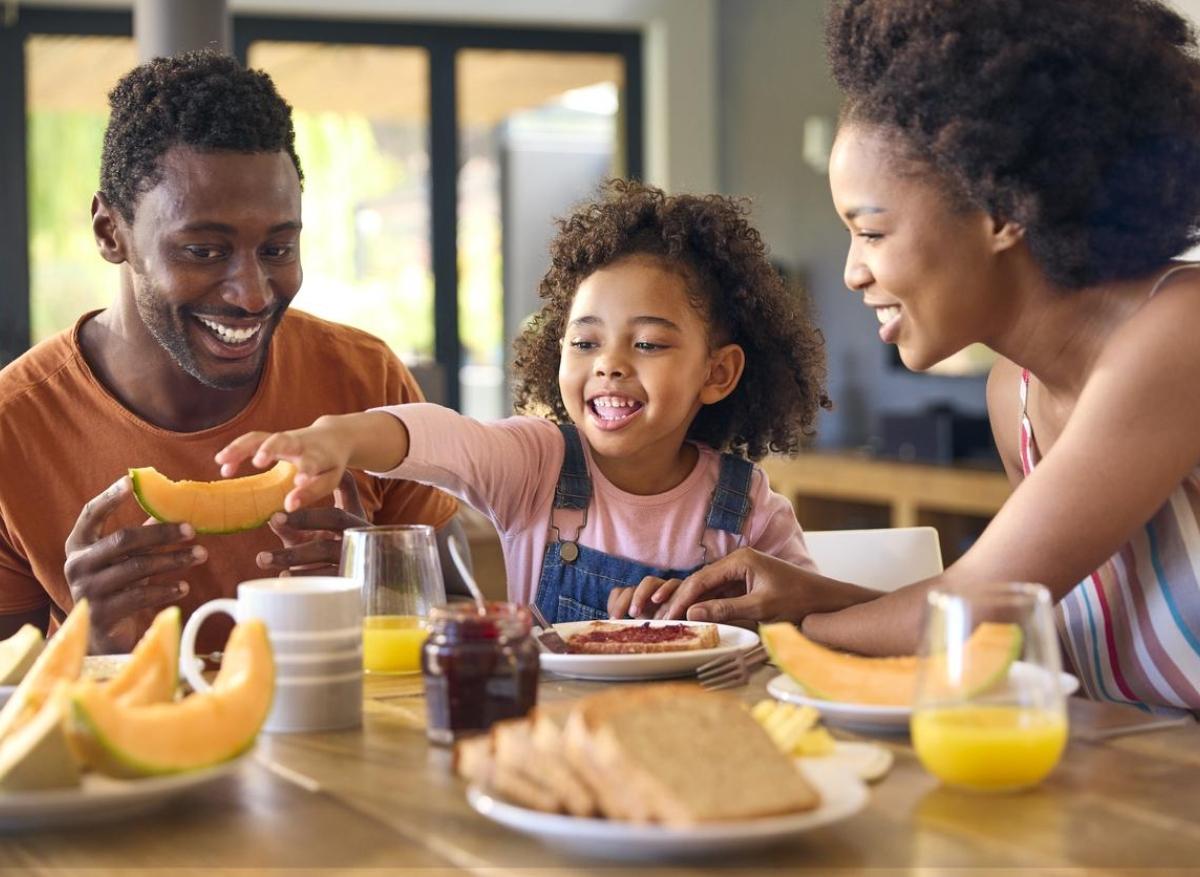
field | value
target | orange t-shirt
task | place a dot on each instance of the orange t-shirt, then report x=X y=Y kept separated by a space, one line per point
x=64 y=438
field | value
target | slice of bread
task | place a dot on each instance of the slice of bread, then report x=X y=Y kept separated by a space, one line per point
x=517 y=751
x=682 y=756
x=614 y=638
x=527 y=768
x=549 y=753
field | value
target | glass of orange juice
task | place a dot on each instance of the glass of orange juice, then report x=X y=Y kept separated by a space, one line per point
x=398 y=571
x=989 y=714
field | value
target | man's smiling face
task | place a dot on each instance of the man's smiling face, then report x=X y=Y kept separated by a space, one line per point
x=215 y=259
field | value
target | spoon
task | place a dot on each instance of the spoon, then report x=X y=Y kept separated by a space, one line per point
x=465 y=574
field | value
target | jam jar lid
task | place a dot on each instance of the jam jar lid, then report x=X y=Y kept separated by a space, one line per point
x=464 y=620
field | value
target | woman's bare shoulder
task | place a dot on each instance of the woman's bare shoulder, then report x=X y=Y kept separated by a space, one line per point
x=1160 y=334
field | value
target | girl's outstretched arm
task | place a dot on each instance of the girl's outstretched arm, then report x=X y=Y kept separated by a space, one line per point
x=372 y=440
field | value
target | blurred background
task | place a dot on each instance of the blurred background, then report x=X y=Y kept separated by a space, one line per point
x=440 y=139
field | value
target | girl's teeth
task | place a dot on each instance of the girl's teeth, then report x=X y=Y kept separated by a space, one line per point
x=230 y=335
x=886 y=314
x=614 y=407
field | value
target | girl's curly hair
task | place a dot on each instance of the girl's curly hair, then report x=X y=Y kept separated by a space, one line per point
x=1079 y=119
x=743 y=299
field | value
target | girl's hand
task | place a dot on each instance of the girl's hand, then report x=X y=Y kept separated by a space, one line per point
x=319 y=452
x=643 y=601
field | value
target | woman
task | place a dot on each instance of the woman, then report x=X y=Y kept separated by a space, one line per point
x=1022 y=173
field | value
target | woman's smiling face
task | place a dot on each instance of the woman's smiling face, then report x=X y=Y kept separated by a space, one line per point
x=927 y=267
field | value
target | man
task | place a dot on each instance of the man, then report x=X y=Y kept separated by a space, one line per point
x=199 y=205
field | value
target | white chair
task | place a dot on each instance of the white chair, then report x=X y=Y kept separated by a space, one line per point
x=881 y=559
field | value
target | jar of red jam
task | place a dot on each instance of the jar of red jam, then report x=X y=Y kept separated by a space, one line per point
x=479 y=668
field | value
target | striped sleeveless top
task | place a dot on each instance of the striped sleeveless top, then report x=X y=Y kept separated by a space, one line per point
x=1132 y=628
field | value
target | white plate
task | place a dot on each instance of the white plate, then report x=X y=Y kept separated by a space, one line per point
x=842 y=795
x=660 y=665
x=879 y=719
x=101 y=798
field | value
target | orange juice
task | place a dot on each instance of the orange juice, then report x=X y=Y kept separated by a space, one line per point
x=989 y=747
x=392 y=643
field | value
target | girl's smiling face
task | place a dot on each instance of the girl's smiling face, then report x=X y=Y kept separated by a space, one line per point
x=929 y=270
x=637 y=365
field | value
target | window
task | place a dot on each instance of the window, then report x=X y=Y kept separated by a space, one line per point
x=361 y=114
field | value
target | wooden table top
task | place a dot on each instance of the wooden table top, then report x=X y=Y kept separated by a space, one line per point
x=388 y=800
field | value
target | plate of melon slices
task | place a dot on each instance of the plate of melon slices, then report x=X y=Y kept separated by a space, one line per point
x=875 y=695
x=91 y=741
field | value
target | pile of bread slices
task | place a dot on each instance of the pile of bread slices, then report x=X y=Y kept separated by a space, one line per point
x=668 y=753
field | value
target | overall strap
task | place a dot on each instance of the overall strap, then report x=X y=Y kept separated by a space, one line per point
x=574 y=488
x=730 y=504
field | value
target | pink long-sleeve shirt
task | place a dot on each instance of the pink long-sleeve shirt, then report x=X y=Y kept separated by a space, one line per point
x=508 y=469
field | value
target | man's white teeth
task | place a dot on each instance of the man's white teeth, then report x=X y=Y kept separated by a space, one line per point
x=228 y=334
x=886 y=314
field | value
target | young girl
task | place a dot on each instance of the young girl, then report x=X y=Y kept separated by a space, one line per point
x=668 y=352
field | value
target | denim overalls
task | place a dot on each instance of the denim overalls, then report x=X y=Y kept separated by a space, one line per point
x=575 y=579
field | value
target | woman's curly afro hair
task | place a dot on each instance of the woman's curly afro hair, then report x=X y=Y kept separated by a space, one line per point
x=1078 y=119
x=203 y=99
x=742 y=298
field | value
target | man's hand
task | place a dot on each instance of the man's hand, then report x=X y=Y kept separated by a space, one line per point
x=312 y=538
x=126 y=571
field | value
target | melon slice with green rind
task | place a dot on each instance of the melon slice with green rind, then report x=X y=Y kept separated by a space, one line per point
x=226 y=506
x=202 y=730
x=836 y=676
x=151 y=675
x=18 y=652
x=60 y=661
x=37 y=755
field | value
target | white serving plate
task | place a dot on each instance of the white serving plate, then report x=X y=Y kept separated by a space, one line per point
x=660 y=665
x=842 y=795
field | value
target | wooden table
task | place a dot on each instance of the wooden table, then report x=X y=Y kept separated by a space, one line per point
x=388 y=801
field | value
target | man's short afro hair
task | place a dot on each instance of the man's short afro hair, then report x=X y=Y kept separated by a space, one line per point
x=1079 y=119
x=205 y=100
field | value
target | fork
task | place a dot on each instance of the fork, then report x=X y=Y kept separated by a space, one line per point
x=730 y=671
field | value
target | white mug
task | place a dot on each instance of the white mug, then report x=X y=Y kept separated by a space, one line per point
x=314 y=624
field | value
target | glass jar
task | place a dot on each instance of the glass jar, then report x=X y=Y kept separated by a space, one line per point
x=479 y=668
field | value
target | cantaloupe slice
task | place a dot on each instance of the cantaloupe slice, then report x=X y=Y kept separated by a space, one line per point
x=199 y=731
x=226 y=506
x=37 y=755
x=18 y=652
x=152 y=672
x=60 y=661
x=831 y=675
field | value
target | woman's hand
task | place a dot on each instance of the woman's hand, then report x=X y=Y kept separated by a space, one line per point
x=748 y=585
